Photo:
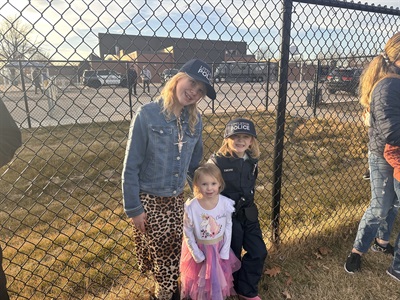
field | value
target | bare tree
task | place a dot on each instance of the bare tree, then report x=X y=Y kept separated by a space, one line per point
x=15 y=40
x=17 y=43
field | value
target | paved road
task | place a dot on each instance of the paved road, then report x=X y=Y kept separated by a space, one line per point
x=84 y=105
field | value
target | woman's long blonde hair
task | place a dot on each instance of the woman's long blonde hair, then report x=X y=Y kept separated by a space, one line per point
x=254 y=149
x=378 y=68
x=168 y=94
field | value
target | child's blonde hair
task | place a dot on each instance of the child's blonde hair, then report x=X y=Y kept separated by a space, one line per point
x=209 y=169
x=254 y=148
x=378 y=68
x=168 y=94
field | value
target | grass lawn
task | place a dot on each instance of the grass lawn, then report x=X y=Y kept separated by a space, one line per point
x=65 y=235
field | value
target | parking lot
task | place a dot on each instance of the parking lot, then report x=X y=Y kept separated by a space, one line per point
x=77 y=104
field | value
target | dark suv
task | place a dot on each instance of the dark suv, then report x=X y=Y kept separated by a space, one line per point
x=167 y=74
x=342 y=79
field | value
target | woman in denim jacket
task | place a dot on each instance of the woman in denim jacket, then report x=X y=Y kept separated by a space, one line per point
x=163 y=147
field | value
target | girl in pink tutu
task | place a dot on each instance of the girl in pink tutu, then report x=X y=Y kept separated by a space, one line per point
x=207 y=261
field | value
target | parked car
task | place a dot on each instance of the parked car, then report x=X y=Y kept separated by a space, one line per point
x=167 y=74
x=98 y=78
x=343 y=79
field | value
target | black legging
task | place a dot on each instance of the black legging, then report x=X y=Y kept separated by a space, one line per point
x=247 y=235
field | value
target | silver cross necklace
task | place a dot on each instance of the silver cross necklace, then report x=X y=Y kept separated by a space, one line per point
x=180 y=134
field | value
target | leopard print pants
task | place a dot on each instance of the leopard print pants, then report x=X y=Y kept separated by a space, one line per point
x=159 y=249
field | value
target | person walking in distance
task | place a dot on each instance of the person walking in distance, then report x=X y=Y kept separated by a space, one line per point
x=164 y=146
x=146 y=78
x=238 y=161
x=207 y=261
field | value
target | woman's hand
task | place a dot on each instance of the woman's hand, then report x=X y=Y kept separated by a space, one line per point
x=140 y=222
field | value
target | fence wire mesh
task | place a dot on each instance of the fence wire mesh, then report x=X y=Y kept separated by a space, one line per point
x=63 y=77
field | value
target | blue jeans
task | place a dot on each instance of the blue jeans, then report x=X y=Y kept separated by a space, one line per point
x=379 y=217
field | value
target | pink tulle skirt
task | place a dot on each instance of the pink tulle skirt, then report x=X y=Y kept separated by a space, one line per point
x=211 y=279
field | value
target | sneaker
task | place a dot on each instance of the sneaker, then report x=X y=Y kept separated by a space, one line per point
x=366 y=175
x=388 y=249
x=392 y=273
x=353 y=263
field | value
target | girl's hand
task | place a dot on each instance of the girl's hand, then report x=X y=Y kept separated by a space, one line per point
x=139 y=222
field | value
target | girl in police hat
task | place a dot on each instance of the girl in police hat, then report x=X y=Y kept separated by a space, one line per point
x=237 y=159
x=164 y=146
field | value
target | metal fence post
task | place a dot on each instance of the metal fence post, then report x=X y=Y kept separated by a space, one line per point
x=280 y=118
x=213 y=83
x=129 y=89
x=25 y=97
x=267 y=83
x=316 y=98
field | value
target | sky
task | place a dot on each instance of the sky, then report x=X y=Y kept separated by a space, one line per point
x=67 y=29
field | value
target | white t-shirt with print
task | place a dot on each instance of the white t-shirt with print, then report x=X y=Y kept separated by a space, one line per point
x=204 y=225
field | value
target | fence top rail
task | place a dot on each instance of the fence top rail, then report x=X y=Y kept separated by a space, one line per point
x=355 y=6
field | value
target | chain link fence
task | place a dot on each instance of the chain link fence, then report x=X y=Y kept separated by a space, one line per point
x=292 y=67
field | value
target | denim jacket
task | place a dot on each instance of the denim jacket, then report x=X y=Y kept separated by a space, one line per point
x=153 y=164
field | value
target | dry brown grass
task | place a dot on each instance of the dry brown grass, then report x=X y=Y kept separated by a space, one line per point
x=305 y=273
x=67 y=237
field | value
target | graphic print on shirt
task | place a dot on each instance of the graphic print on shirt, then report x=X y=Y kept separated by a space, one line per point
x=209 y=226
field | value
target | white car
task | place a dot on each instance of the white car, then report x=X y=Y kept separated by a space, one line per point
x=96 y=79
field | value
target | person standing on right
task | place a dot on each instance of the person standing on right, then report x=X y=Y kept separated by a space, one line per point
x=146 y=78
x=238 y=161
x=380 y=93
x=37 y=80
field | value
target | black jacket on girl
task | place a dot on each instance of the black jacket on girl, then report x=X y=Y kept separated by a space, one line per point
x=240 y=177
